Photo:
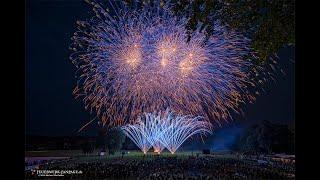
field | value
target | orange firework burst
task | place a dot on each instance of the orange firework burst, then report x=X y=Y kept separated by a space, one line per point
x=132 y=61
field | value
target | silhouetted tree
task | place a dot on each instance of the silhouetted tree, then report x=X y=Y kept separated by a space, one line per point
x=101 y=138
x=267 y=137
x=87 y=147
x=114 y=139
x=270 y=23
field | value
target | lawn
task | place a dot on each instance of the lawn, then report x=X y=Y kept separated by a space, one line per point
x=78 y=156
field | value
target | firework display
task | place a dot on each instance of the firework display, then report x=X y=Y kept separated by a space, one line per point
x=138 y=136
x=134 y=60
x=181 y=128
x=164 y=130
x=157 y=89
x=145 y=132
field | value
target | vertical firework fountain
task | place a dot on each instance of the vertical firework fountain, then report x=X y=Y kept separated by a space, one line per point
x=165 y=130
x=138 y=135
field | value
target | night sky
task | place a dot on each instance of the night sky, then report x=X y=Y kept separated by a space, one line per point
x=51 y=107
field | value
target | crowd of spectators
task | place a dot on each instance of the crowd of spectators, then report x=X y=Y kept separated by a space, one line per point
x=166 y=168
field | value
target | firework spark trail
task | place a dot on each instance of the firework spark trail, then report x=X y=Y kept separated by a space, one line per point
x=165 y=130
x=180 y=128
x=145 y=132
x=131 y=61
x=138 y=136
x=84 y=126
x=154 y=127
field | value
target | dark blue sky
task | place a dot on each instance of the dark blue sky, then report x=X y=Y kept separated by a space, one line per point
x=51 y=107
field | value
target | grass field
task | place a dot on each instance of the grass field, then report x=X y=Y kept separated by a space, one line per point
x=73 y=153
x=53 y=153
x=78 y=156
